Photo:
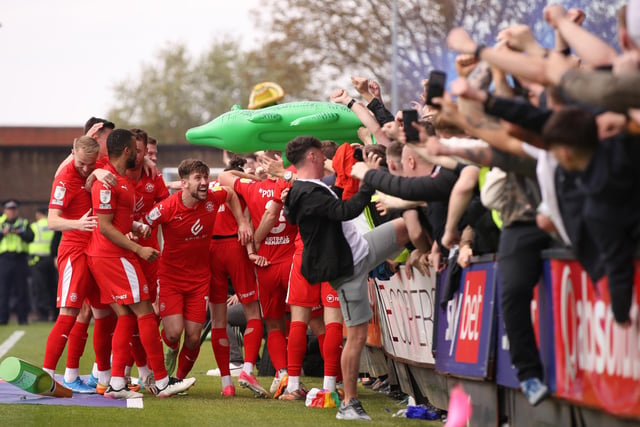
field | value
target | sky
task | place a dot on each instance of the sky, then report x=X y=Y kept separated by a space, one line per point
x=60 y=59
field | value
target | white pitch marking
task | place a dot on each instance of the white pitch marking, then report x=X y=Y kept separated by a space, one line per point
x=10 y=342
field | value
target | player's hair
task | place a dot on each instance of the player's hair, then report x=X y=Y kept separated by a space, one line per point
x=93 y=120
x=236 y=163
x=140 y=135
x=87 y=144
x=151 y=140
x=117 y=141
x=189 y=166
x=297 y=148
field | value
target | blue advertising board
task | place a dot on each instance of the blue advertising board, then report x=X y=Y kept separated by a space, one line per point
x=466 y=326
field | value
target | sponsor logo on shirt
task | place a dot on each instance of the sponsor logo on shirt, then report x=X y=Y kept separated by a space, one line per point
x=196 y=228
x=154 y=214
x=277 y=240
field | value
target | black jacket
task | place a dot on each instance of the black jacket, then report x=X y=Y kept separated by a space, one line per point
x=319 y=215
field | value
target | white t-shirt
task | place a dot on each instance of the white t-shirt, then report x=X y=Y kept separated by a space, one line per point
x=545 y=172
x=359 y=246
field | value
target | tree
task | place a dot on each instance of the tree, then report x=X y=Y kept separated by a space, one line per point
x=350 y=37
x=177 y=92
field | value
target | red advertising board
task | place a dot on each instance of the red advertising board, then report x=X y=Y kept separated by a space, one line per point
x=597 y=361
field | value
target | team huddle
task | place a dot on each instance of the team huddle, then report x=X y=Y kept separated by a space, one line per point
x=109 y=202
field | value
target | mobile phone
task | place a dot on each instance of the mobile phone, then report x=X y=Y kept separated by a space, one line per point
x=358 y=155
x=435 y=86
x=408 y=117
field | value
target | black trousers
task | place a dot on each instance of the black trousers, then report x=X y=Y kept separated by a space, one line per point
x=520 y=267
x=14 y=291
x=44 y=287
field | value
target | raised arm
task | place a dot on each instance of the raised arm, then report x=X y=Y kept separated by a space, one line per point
x=591 y=49
x=341 y=96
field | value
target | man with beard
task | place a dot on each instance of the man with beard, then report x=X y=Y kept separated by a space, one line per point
x=187 y=218
x=113 y=263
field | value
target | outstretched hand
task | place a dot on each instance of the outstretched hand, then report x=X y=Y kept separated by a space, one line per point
x=340 y=96
x=460 y=41
x=361 y=84
x=553 y=14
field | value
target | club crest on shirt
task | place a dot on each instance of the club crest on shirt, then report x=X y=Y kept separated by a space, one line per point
x=209 y=206
x=149 y=187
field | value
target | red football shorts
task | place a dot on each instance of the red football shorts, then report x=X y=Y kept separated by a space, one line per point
x=120 y=280
x=304 y=294
x=75 y=282
x=189 y=300
x=272 y=289
x=229 y=260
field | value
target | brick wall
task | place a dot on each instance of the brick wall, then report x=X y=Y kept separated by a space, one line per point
x=26 y=171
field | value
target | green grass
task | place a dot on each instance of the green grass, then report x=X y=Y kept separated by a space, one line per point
x=204 y=404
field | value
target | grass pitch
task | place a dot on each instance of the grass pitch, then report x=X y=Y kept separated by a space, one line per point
x=203 y=405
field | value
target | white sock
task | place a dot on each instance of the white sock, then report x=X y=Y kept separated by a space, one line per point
x=248 y=368
x=94 y=370
x=117 y=383
x=144 y=371
x=127 y=371
x=104 y=377
x=226 y=380
x=293 y=384
x=282 y=372
x=70 y=374
x=329 y=383
x=162 y=383
x=50 y=372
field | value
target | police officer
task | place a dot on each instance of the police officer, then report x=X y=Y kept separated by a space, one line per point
x=44 y=281
x=15 y=236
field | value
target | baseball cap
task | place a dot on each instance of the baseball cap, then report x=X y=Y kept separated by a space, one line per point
x=11 y=204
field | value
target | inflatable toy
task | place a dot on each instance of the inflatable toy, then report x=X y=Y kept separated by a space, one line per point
x=271 y=128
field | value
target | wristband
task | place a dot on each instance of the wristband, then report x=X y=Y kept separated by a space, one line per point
x=350 y=104
x=476 y=54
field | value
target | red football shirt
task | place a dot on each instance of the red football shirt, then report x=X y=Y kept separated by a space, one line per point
x=69 y=196
x=117 y=200
x=149 y=191
x=187 y=233
x=226 y=224
x=278 y=245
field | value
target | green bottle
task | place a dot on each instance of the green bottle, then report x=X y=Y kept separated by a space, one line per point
x=31 y=378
